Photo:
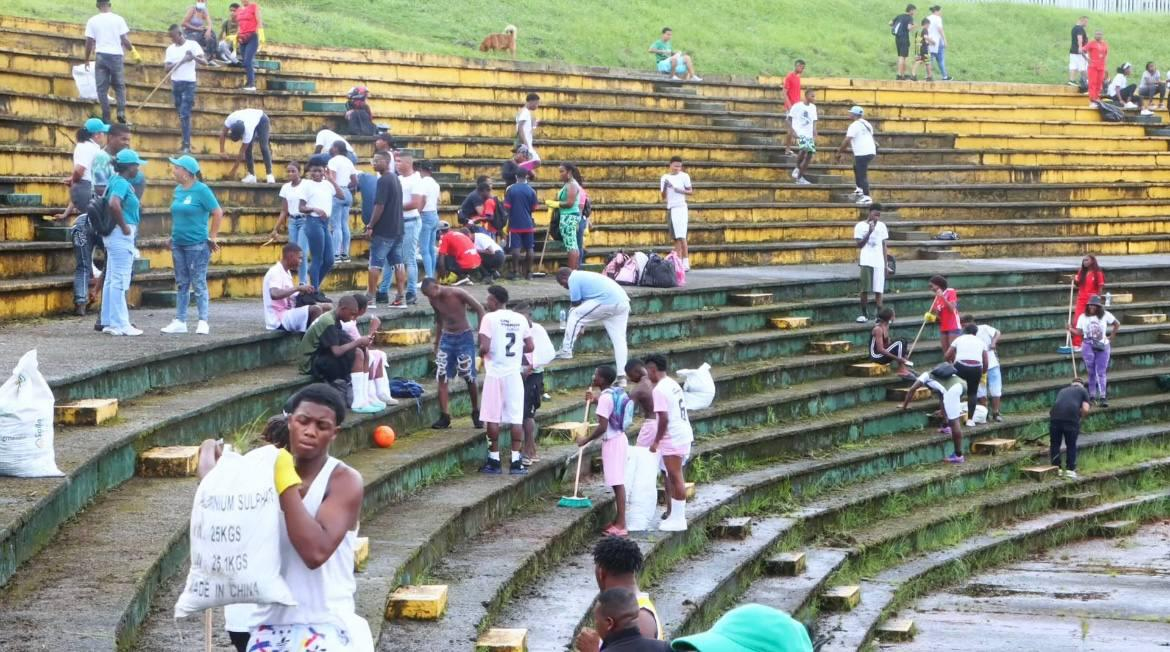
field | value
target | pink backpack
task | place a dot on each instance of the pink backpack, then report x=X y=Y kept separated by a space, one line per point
x=615 y=264
x=680 y=274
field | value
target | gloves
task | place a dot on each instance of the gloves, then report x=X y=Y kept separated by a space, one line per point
x=260 y=33
x=285 y=472
x=983 y=380
x=134 y=53
x=552 y=203
x=930 y=317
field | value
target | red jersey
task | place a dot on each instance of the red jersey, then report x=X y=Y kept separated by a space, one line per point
x=461 y=247
x=246 y=19
x=1091 y=286
x=948 y=320
x=1098 y=51
x=791 y=90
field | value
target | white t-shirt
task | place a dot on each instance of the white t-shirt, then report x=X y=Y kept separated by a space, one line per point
x=250 y=118
x=543 y=351
x=804 y=119
x=669 y=398
x=106 y=30
x=410 y=187
x=507 y=330
x=83 y=155
x=326 y=138
x=429 y=188
x=935 y=27
x=343 y=169
x=969 y=347
x=292 y=196
x=175 y=53
x=277 y=278
x=669 y=183
x=317 y=194
x=1119 y=82
x=987 y=334
x=872 y=254
x=1096 y=328
x=524 y=124
x=861 y=133
x=484 y=243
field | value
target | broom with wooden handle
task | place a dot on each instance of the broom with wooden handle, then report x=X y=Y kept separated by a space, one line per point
x=577 y=501
x=1067 y=348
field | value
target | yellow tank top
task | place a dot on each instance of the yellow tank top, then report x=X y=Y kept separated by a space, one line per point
x=644 y=602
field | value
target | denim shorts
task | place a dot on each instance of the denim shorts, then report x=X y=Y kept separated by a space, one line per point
x=456 y=356
x=386 y=251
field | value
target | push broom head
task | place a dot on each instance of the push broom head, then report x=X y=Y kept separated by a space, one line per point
x=575 y=502
x=1065 y=350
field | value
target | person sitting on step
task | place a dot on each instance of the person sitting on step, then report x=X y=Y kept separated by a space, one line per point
x=330 y=355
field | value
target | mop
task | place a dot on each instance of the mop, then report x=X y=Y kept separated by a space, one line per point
x=1067 y=348
x=577 y=501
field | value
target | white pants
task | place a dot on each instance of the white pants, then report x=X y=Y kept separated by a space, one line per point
x=612 y=316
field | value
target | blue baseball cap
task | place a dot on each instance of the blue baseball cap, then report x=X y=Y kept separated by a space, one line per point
x=96 y=126
x=186 y=162
x=750 y=628
x=128 y=156
x=857 y=110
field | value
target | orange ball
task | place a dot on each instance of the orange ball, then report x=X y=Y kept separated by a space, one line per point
x=384 y=436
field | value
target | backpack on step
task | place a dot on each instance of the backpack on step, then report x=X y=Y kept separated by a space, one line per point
x=1110 y=112
x=622 y=416
x=404 y=388
x=659 y=273
x=680 y=273
x=630 y=273
x=615 y=263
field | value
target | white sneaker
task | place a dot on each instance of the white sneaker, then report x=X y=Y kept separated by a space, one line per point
x=970 y=423
x=131 y=331
x=673 y=524
x=1092 y=105
x=1147 y=112
x=250 y=89
x=804 y=182
x=696 y=78
x=795 y=173
x=176 y=327
x=864 y=200
x=1130 y=105
x=675 y=78
x=464 y=281
x=202 y=328
x=270 y=179
x=563 y=355
x=861 y=319
x=1071 y=475
x=251 y=178
x=857 y=192
x=110 y=330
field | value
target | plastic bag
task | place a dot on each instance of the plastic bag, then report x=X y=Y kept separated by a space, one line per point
x=698 y=387
x=641 y=488
x=86 y=83
x=26 y=422
x=235 y=524
x=980 y=415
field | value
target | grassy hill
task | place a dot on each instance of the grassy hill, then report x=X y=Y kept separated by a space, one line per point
x=988 y=41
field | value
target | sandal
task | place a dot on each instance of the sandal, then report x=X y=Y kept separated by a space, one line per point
x=615 y=531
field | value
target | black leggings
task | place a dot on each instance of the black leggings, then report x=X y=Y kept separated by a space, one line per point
x=240 y=640
x=971 y=374
x=897 y=347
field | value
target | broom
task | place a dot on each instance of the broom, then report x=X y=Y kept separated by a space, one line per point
x=1067 y=349
x=544 y=247
x=575 y=501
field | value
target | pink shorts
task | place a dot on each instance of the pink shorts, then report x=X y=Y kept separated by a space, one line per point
x=613 y=460
x=667 y=449
x=647 y=433
x=502 y=400
x=377 y=360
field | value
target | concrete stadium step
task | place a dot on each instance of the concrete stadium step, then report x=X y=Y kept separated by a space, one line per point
x=794 y=595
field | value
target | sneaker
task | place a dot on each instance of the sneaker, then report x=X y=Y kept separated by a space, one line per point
x=1092 y=104
x=864 y=200
x=804 y=182
x=899 y=77
x=675 y=78
x=956 y=459
x=186 y=149
x=861 y=319
x=270 y=179
x=251 y=178
x=696 y=78
x=110 y=330
x=998 y=418
x=202 y=328
x=518 y=468
x=442 y=423
x=970 y=423
x=1103 y=402
x=130 y=331
x=475 y=419
x=381 y=297
x=463 y=281
x=1147 y=112
x=563 y=355
x=344 y=257
x=398 y=302
x=857 y=192
x=411 y=300
x=948 y=79
x=913 y=78
x=250 y=89
x=368 y=408
x=795 y=173
x=1130 y=105
x=490 y=466
x=945 y=430
x=176 y=327
x=1073 y=83
x=1070 y=474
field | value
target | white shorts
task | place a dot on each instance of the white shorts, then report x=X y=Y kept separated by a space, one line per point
x=994 y=382
x=502 y=400
x=952 y=398
x=295 y=320
x=678 y=216
x=533 y=155
x=1078 y=62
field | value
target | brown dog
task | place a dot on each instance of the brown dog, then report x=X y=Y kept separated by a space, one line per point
x=504 y=42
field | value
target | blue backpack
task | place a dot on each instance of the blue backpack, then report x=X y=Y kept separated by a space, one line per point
x=403 y=388
x=622 y=416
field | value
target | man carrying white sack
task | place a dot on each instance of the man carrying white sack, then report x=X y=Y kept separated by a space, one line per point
x=320 y=502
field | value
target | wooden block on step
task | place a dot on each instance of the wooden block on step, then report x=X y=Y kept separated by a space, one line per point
x=169 y=462
x=1164 y=338
x=403 y=337
x=1146 y=318
x=1078 y=500
x=690 y=493
x=1121 y=297
x=867 y=370
x=750 y=298
x=361 y=553
x=787 y=564
x=993 y=446
x=423 y=602
x=830 y=346
x=938 y=254
x=841 y=598
x=1114 y=529
x=735 y=527
x=567 y=430
x=790 y=323
x=899 y=393
x=86 y=412
x=1039 y=473
x=898 y=630
x=503 y=640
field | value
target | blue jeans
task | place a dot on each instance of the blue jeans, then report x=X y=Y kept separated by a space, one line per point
x=339 y=222
x=321 y=249
x=368 y=187
x=248 y=56
x=427 y=241
x=940 y=60
x=581 y=238
x=409 y=257
x=184 y=94
x=191 y=273
x=296 y=235
x=119 y=266
x=82 y=259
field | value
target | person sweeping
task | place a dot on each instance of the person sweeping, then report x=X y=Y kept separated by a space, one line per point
x=612 y=407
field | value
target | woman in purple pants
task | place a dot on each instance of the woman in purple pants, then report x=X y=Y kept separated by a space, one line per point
x=1097 y=326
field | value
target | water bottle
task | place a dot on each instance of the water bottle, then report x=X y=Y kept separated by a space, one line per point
x=1108 y=299
x=564 y=319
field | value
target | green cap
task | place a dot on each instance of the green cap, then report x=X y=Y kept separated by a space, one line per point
x=186 y=162
x=128 y=156
x=750 y=628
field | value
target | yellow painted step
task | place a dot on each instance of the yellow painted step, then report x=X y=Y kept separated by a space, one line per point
x=361 y=553
x=993 y=446
x=751 y=299
x=841 y=598
x=899 y=394
x=567 y=430
x=898 y=630
x=832 y=346
x=423 y=602
x=867 y=370
x=790 y=323
x=503 y=640
x=403 y=337
x=1039 y=473
x=86 y=412
x=169 y=462
x=1121 y=297
x=785 y=564
x=1146 y=318
x=689 y=492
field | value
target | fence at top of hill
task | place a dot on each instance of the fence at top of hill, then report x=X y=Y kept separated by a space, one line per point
x=1098 y=6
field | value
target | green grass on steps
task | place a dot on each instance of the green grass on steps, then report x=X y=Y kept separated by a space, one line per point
x=988 y=41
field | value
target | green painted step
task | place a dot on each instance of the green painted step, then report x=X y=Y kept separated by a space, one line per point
x=318 y=106
x=267 y=64
x=1158 y=131
x=292 y=85
x=19 y=199
x=53 y=233
x=141 y=266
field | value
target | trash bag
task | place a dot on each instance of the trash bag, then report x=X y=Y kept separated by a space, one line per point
x=86 y=82
x=641 y=489
x=698 y=387
x=26 y=422
x=980 y=415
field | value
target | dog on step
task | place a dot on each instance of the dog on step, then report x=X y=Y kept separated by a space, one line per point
x=504 y=41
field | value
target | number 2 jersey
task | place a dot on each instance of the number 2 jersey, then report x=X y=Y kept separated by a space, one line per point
x=668 y=398
x=507 y=331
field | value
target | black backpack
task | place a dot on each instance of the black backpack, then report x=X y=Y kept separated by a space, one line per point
x=1110 y=112
x=98 y=219
x=658 y=273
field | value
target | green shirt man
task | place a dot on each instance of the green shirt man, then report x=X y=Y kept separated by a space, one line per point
x=308 y=346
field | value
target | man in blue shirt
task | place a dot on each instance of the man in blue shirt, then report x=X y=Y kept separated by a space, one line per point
x=520 y=202
x=596 y=298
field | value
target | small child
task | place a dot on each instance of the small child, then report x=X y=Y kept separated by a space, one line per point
x=380 y=387
x=611 y=410
x=923 y=53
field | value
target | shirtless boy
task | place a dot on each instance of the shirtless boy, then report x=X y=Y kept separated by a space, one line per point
x=455 y=345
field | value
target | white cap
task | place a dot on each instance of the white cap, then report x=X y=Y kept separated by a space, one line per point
x=857 y=110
